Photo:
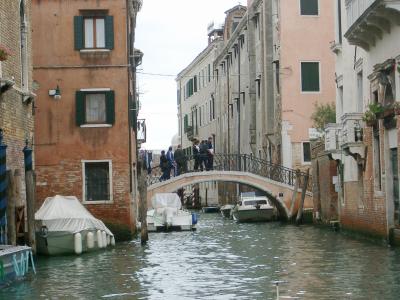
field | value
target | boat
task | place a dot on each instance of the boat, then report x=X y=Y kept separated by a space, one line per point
x=226 y=210
x=210 y=209
x=167 y=214
x=254 y=209
x=65 y=226
x=14 y=263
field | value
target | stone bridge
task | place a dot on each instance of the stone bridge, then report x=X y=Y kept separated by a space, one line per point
x=284 y=187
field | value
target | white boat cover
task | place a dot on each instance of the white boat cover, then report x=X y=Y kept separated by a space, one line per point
x=163 y=200
x=66 y=213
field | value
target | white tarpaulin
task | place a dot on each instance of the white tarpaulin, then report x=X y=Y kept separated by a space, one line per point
x=66 y=213
x=163 y=200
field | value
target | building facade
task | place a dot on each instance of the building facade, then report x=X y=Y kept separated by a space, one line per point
x=86 y=121
x=364 y=141
x=16 y=98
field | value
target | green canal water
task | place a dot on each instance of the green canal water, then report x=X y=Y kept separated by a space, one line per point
x=222 y=260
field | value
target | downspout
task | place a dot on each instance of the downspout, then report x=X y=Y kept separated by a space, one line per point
x=238 y=99
x=229 y=107
x=130 y=70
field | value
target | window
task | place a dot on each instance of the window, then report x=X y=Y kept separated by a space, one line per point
x=306 y=152
x=97 y=181
x=310 y=77
x=360 y=95
x=339 y=20
x=209 y=73
x=95 y=108
x=309 y=7
x=94 y=32
x=195 y=84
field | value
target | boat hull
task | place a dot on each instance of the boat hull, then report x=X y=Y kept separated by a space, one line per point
x=226 y=211
x=210 y=209
x=254 y=215
x=62 y=242
x=182 y=221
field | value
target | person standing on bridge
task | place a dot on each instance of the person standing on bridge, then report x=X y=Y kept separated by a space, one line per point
x=180 y=160
x=210 y=155
x=171 y=161
x=165 y=169
x=203 y=155
x=196 y=154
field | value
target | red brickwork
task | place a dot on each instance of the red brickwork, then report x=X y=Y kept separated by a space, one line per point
x=366 y=214
x=16 y=118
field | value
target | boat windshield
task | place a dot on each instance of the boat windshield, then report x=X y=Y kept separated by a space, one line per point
x=255 y=202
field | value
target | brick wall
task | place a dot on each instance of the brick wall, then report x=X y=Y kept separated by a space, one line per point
x=66 y=179
x=16 y=117
x=364 y=209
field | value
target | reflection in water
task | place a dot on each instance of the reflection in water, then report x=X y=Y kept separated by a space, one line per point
x=222 y=260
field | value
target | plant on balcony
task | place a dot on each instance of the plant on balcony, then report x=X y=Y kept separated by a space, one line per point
x=396 y=107
x=322 y=115
x=375 y=111
x=369 y=118
x=4 y=53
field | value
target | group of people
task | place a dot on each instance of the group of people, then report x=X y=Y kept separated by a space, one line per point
x=175 y=162
x=203 y=153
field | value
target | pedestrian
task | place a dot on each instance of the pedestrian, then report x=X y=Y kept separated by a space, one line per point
x=164 y=167
x=196 y=154
x=203 y=155
x=210 y=154
x=180 y=160
x=171 y=161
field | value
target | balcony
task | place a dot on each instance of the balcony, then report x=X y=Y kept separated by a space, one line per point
x=332 y=141
x=368 y=20
x=352 y=136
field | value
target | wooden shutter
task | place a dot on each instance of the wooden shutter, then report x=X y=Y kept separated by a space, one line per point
x=110 y=107
x=134 y=115
x=78 y=32
x=310 y=77
x=195 y=84
x=185 y=123
x=109 y=24
x=309 y=7
x=80 y=108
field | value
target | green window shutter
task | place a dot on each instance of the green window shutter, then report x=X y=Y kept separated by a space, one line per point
x=78 y=32
x=310 y=77
x=109 y=24
x=195 y=84
x=80 y=108
x=110 y=107
x=209 y=73
x=185 y=123
x=309 y=7
x=134 y=115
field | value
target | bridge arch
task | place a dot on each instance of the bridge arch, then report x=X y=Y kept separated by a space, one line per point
x=280 y=194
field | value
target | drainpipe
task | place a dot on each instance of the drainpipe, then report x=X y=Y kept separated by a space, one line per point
x=238 y=99
x=229 y=107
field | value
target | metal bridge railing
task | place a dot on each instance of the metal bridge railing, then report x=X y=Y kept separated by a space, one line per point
x=239 y=163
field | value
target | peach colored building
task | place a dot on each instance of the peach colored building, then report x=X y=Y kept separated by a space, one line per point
x=306 y=69
x=85 y=118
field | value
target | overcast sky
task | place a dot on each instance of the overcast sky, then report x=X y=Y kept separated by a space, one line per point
x=170 y=34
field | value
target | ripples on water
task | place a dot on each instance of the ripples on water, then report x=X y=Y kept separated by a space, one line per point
x=222 y=260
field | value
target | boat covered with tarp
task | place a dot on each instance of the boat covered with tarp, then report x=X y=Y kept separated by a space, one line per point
x=167 y=214
x=64 y=225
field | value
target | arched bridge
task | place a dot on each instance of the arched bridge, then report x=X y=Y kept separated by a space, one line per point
x=286 y=188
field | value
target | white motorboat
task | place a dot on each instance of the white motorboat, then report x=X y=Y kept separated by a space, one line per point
x=65 y=226
x=226 y=210
x=167 y=214
x=254 y=209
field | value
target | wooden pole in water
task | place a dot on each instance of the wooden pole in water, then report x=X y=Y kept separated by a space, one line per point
x=11 y=199
x=303 y=196
x=142 y=186
x=30 y=207
x=294 y=196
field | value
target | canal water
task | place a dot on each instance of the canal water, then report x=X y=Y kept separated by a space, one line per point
x=222 y=260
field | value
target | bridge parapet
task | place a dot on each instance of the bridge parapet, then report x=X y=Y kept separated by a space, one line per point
x=240 y=163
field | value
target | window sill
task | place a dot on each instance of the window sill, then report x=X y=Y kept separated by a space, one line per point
x=99 y=202
x=96 y=126
x=306 y=163
x=94 y=53
x=94 y=50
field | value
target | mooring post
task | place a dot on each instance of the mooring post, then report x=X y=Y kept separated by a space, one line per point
x=11 y=199
x=3 y=189
x=303 y=196
x=142 y=186
x=30 y=208
x=295 y=190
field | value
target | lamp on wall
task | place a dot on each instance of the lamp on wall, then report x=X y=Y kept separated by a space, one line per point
x=56 y=93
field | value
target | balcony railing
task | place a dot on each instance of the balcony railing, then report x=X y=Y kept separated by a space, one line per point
x=332 y=136
x=352 y=128
x=355 y=9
